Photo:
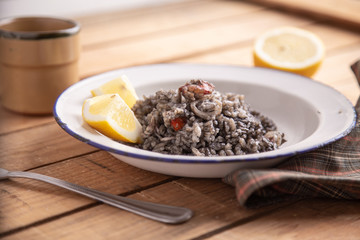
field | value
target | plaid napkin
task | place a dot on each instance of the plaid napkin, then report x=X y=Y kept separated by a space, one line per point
x=331 y=171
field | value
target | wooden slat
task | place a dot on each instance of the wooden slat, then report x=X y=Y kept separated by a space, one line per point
x=181 y=43
x=241 y=53
x=342 y=46
x=340 y=12
x=99 y=170
x=311 y=219
x=11 y=121
x=215 y=206
x=345 y=56
x=342 y=79
x=129 y=26
x=38 y=146
x=200 y=31
x=117 y=27
x=350 y=88
x=109 y=15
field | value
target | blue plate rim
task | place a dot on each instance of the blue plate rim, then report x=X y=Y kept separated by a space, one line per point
x=196 y=160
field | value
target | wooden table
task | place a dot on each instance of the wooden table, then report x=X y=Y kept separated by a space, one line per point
x=192 y=31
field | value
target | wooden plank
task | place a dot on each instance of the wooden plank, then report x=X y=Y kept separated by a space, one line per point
x=332 y=71
x=342 y=79
x=311 y=219
x=129 y=26
x=333 y=37
x=24 y=201
x=213 y=202
x=339 y=12
x=341 y=46
x=182 y=43
x=350 y=88
x=38 y=146
x=111 y=15
x=241 y=53
x=11 y=121
x=34 y=210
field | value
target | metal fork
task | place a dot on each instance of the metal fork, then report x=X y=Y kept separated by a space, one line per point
x=155 y=211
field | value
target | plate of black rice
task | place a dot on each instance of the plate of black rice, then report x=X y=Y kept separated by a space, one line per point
x=203 y=120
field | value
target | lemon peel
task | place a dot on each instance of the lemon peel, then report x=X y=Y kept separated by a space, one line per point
x=111 y=116
x=121 y=86
x=289 y=49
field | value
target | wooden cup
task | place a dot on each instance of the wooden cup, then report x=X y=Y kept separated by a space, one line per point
x=38 y=60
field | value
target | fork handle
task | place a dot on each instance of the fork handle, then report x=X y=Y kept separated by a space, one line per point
x=155 y=211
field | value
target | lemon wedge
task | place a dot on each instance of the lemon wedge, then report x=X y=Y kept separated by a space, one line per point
x=121 y=86
x=289 y=49
x=111 y=116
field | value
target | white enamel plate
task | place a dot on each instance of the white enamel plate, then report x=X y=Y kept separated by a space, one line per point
x=309 y=113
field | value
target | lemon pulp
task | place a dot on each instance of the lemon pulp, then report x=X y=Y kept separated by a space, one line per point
x=289 y=49
x=121 y=86
x=111 y=116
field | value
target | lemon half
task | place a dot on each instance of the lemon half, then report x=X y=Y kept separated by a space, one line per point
x=111 y=116
x=121 y=86
x=289 y=49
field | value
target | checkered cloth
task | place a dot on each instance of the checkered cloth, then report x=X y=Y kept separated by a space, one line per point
x=331 y=171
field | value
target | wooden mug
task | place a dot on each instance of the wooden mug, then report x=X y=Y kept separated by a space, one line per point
x=38 y=60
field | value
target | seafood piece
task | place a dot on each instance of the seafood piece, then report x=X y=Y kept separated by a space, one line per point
x=196 y=89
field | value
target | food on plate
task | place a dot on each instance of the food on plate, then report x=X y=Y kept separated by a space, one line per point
x=121 y=86
x=195 y=120
x=289 y=49
x=111 y=116
x=198 y=120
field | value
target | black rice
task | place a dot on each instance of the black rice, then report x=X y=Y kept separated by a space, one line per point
x=197 y=120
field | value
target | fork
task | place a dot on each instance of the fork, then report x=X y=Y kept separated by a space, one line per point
x=159 y=212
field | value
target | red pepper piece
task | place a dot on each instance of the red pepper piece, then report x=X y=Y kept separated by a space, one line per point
x=178 y=123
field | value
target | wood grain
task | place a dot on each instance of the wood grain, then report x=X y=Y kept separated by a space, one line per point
x=122 y=43
x=342 y=79
x=131 y=26
x=98 y=170
x=311 y=219
x=193 y=31
x=11 y=121
x=39 y=146
x=339 y=12
x=181 y=43
x=103 y=222
x=128 y=27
